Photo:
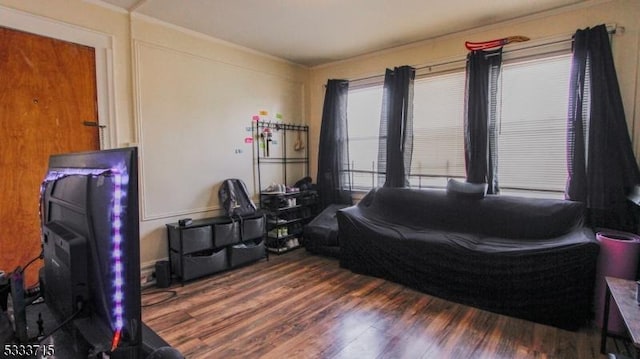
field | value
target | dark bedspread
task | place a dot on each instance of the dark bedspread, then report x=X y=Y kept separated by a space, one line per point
x=526 y=258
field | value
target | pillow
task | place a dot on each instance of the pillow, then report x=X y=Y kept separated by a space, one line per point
x=466 y=189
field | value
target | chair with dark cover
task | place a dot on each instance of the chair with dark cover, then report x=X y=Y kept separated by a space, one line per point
x=321 y=234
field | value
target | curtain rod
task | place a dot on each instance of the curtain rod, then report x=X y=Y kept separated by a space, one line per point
x=611 y=29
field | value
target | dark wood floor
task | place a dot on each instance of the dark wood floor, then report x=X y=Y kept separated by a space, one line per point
x=298 y=305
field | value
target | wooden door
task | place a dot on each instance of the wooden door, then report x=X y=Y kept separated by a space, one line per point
x=47 y=92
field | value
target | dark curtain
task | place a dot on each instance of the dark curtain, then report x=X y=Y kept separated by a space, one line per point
x=601 y=165
x=333 y=154
x=395 y=145
x=483 y=72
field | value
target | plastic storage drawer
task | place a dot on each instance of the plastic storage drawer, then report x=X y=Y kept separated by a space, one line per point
x=225 y=234
x=199 y=265
x=249 y=251
x=253 y=228
x=193 y=239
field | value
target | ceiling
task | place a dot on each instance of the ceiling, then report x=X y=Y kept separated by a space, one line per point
x=314 y=32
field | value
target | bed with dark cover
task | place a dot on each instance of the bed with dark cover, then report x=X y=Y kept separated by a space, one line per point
x=524 y=257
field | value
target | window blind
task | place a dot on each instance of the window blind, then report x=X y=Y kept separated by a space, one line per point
x=363 y=118
x=532 y=112
x=438 y=120
x=532 y=124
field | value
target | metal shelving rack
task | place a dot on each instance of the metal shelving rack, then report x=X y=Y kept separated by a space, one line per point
x=282 y=158
x=281 y=213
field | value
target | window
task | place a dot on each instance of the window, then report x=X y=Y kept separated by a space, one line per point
x=531 y=128
x=438 y=130
x=532 y=134
x=363 y=117
x=438 y=133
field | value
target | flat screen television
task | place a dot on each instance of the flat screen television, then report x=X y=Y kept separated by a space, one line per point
x=91 y=250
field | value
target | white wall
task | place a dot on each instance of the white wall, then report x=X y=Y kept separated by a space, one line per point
x=194 y=102
x=562 y=22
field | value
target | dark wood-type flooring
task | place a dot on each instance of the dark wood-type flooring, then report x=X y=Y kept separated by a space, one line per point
x=299 y=305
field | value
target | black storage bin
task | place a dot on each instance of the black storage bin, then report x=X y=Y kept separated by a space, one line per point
x=193 y=239
x=199 y=264
x=253 y=228
x=246 y=252
x=225 y=234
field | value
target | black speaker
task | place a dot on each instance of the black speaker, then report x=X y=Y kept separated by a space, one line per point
x=163 y=274
x=18 y=306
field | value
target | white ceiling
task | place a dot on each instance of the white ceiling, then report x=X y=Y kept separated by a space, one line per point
x=314 y=32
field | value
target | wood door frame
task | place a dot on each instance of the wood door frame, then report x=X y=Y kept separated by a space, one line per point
x=103 y=45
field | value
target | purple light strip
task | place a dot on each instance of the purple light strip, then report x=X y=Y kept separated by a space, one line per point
x=121 y=181
x=63 y=172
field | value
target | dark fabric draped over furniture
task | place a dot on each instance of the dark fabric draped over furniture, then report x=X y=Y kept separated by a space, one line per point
x=333 y=155
x=483 y=71
x=601 y=164
x=396 y=127
x=527 y=257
